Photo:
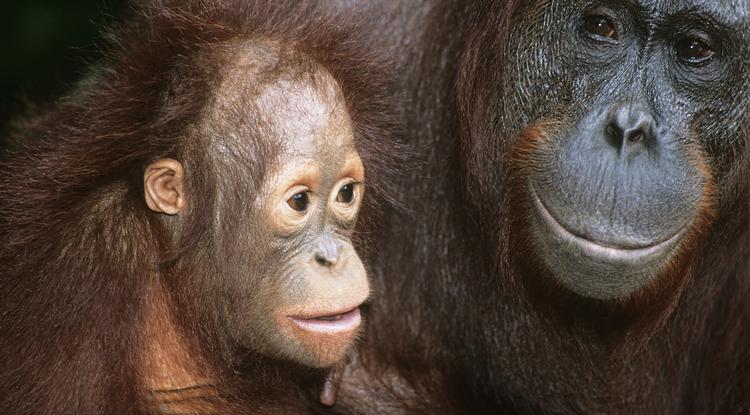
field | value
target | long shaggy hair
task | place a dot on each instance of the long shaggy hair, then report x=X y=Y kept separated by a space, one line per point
x=463 y=332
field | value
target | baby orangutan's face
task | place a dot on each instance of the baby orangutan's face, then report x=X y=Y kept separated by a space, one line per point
x=310 y=310
x=295 y=291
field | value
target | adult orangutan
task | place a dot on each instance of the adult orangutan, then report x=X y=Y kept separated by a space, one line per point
x=578 y=241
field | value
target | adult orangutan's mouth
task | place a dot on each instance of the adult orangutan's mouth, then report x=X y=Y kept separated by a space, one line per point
x=598 y=251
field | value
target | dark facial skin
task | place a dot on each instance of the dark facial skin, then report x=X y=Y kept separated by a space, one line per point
x=644 y=103
x=294 y=287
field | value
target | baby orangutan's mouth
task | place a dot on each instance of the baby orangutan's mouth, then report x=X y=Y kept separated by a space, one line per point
x=330 y=318
x=331 y=323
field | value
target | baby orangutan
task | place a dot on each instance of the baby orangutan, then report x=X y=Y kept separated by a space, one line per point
x=292 y=282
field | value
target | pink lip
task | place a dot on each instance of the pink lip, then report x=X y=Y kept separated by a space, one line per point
x=344 y=322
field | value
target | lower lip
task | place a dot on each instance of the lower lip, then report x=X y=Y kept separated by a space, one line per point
x=604 y=253
x=348 y=321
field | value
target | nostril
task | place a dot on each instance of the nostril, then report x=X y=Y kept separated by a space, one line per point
x=629 y=127
x=321 y=260
x=324 y=260
x=614 y=134
x=326 y=252
x=635 y=136
x=613 y=130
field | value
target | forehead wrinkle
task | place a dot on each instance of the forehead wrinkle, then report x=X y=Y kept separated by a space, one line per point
x=727 y=12
x=732 y=13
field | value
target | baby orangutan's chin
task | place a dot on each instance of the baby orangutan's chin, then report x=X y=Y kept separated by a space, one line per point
x=320 y=339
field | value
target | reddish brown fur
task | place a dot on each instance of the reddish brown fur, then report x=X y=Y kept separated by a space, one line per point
x=81 y=253
x=454 y=330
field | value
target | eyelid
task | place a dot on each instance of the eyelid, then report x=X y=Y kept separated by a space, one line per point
x=298 y=188
x=695 y=33
x=353 y=168
x=284 y=219
x=345 y=182
x=304 y=173
x=346 y=213
x=350 y=181
x=614 y=40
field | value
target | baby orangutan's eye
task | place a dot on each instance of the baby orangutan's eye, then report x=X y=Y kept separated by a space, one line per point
x=299 y=202
x=346 y=194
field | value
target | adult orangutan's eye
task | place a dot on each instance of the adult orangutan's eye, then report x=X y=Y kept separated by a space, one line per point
x=600 y=27
x=694 y=50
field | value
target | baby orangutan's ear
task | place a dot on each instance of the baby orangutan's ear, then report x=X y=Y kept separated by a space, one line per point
x=162 y=184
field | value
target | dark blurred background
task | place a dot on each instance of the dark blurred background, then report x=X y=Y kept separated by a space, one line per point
x=46 y=46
